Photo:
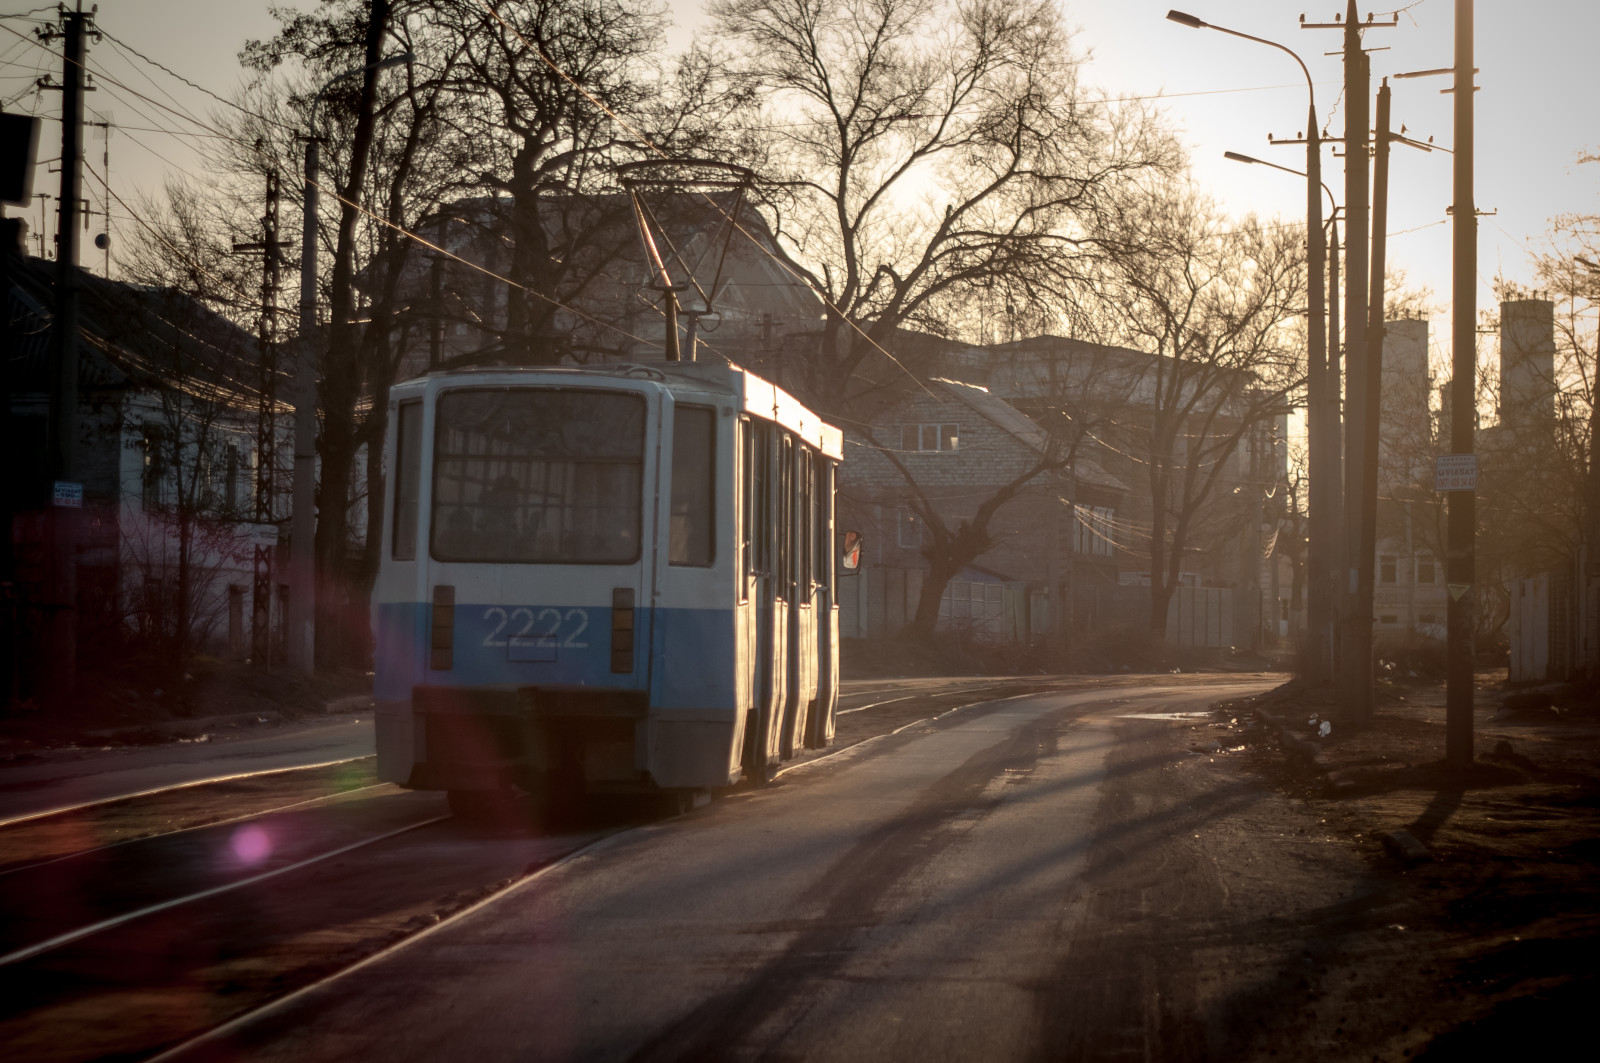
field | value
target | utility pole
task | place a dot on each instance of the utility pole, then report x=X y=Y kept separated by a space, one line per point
x=19 y=149
x=1322 y=424
x=1371 y=391
x=301 y=621
x=1460 y=559
x=266 y=426
x=67 y=496
x=1332 y=446
x=1354 y=651
x=1355 y=664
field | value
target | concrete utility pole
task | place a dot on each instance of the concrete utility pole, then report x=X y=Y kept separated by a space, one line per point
x=1372 y=392
x=1460 y=559
x=1354 y=650
x=1322 y=422
x=271 y=249
x=1334 y=449
x=62 y=638
x=300 y=650
x=1322 y=386
x=302 y=625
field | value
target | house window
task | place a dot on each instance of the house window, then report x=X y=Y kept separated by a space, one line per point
x=908 y=529
x=153 y=478
x=1386 y=570
x=1092 y=531
x=230 y=481
x=1425 y=570
x=928 y=438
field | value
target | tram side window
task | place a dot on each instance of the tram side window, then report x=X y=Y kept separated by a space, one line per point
x=693 y=485
x=407 y=480
x=761 y=490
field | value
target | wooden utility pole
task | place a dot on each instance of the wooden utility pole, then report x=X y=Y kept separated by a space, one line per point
x=1460 y=551
x=61 y=653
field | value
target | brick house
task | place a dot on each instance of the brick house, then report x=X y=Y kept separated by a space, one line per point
x=1102 y=567
x=961 y=444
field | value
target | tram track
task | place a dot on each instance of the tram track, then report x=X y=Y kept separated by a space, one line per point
x=161 y=951
x=150 y=924
x=188 y=784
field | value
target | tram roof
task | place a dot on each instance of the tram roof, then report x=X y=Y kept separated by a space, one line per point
x=756 y=396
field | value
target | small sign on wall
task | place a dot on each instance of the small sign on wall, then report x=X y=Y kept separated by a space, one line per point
x=1455 y=472
x=67 y=495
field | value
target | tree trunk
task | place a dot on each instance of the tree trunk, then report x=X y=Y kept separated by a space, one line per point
x=926 y=619
x=341 y=377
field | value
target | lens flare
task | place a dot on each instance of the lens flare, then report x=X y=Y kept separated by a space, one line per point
x=251 y=845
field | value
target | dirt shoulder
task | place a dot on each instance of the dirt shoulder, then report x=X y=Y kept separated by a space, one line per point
x=130 y=710
x=1489 y=922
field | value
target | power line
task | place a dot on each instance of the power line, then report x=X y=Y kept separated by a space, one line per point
x=124 y=45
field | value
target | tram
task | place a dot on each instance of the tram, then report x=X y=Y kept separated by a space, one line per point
x=616 y=578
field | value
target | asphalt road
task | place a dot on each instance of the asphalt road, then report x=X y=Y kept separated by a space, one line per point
x=956 y=890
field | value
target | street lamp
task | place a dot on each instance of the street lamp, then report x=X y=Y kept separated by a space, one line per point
x=301 y=619
x=1234 y=156
x=1322 y=386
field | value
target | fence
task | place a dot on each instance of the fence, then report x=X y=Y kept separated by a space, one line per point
x=880 y=601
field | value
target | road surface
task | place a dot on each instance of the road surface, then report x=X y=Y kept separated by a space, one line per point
x=956 y=890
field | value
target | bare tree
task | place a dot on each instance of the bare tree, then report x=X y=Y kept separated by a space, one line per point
x=188 y=417
x=918 y=150
x=1209 y=299
x=530 y=100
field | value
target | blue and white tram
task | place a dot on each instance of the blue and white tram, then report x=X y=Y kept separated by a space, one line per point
x=615 y=578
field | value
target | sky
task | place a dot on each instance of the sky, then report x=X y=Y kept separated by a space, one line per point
x=1221 y=93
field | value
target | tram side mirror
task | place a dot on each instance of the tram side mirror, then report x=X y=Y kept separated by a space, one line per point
x=851 y=560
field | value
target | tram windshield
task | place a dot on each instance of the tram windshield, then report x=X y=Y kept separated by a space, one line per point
x=538 y=476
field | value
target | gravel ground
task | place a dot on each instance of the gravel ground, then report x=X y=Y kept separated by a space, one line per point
x=1481 y=937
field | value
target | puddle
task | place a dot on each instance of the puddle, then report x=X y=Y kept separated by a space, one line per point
x=1163 y=715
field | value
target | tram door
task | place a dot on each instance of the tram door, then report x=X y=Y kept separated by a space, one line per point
x=819 y=730
x=803 y=612
x=765 y=602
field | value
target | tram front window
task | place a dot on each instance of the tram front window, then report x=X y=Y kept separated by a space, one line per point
x=538 y=476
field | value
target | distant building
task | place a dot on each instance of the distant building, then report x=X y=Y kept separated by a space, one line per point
x=961 y=444
x=610 y=305
x=1096 y=512
x=1409 y=592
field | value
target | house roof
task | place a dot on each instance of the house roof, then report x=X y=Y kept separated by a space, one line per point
x=1020 y=426
x=756 y=277
x=132 y=336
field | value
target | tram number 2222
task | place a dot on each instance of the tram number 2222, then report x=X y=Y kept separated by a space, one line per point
x=550 y=624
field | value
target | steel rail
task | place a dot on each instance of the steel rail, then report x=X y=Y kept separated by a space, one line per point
x=79 y=934
x=180 y=830
x=175 y=786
